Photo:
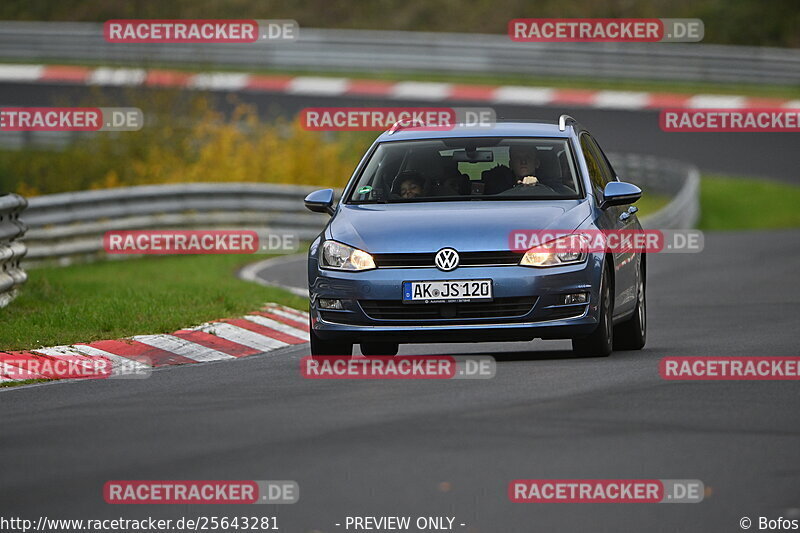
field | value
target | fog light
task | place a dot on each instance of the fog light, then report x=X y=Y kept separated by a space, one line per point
x=325 y=303
x=577 y=298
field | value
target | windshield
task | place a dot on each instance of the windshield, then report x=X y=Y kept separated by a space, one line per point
x=468 y=169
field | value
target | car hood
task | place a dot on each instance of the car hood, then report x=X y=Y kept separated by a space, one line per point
x=465 y=226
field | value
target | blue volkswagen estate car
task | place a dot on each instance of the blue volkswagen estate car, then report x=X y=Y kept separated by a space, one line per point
x=418 y=249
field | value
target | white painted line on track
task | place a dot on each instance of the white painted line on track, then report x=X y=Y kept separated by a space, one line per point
x=241 y=336
x=21 y=72
x=188 y=349
x=117 y=76
x=317 y=85
x=511 y=94
x=250 y=273
x=120 y=366
x=621 y=100
x=300 y=319
x=716 y=101
x=278 y=326
x=221 y=81
x=421 y=90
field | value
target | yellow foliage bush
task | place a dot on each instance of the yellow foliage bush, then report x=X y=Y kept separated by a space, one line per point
x=209 y=148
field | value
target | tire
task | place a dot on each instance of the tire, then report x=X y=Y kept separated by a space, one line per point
x=325 y=347
x=600 y=343
x=380 y=349
x=632 y=334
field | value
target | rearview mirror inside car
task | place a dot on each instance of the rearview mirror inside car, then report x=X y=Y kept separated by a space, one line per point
x=474 y=156
x=620 y=193
x=320 y=201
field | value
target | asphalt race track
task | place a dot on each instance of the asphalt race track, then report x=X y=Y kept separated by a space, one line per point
x=450 y=448
x=773 y=155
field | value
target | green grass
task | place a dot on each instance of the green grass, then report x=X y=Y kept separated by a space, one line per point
x=729 y=203
x=616 y=84
x=113 y=299
x=650 y=203
x=7 y=384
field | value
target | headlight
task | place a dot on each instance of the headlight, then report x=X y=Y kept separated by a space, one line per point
x=567 y=250
x=342 y=257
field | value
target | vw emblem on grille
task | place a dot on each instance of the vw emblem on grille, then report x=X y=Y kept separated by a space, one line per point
x=446 y=259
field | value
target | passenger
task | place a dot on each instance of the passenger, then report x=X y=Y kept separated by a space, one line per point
x=411 y=188
x=452 y=185
x=554 y=172
x=409 y=184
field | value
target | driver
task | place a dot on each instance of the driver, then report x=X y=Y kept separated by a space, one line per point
x=523 y=160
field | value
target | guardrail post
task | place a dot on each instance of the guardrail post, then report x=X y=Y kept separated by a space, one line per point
x=12 y=249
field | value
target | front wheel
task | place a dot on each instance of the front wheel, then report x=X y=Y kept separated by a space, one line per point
x=632 y=334
x=326 y=347
x=601 y=341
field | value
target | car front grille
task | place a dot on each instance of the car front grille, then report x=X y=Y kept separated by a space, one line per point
x=499 y=308
x=498 y=258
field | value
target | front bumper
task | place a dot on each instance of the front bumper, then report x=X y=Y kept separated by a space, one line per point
x=544 y=319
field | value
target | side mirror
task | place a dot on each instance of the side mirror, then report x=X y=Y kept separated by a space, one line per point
x=320 y=201
x=620 y=193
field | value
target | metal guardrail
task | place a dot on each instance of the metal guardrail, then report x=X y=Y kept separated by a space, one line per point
x=676 y=179
x=369 y=50
x=11 y=248
x=69 y=226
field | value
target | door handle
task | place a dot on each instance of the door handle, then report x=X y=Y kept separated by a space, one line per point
x=632 y=209
x=624 y=216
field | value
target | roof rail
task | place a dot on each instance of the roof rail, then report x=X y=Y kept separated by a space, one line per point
x=402 y=124
x=562 y=122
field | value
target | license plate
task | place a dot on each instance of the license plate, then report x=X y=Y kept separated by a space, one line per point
x=462 y=290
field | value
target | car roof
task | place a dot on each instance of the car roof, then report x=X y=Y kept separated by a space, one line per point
x=518 y=128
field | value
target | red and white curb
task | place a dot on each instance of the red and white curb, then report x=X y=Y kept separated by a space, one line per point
x=272 y=327
x=405 y=90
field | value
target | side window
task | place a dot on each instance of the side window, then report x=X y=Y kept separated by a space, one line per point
x=605 y=165
x=595 y=173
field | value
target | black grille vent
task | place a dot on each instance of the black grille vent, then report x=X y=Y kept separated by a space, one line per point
x=498 y=308
x=465 y=259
